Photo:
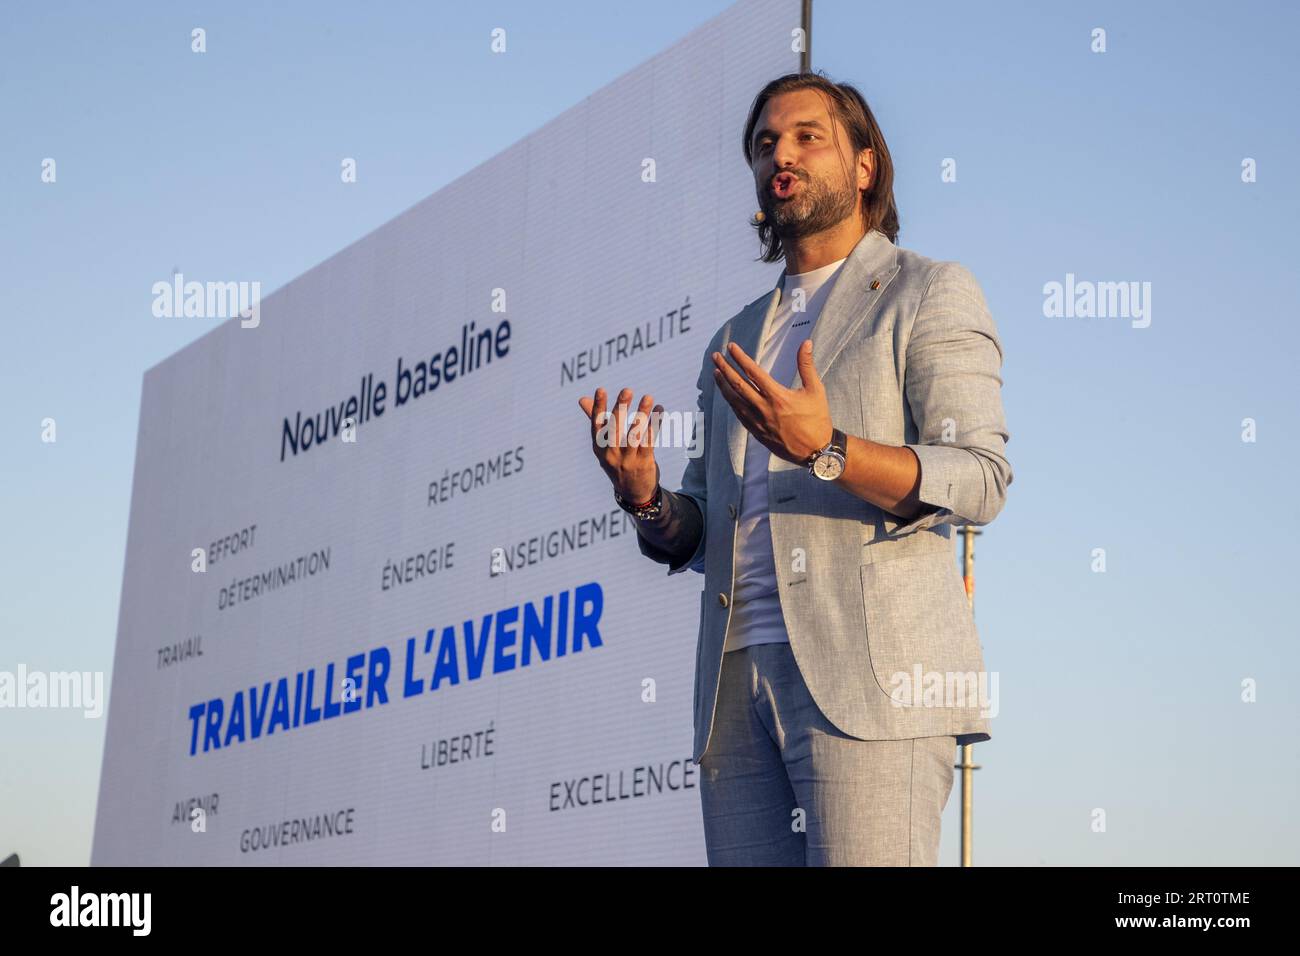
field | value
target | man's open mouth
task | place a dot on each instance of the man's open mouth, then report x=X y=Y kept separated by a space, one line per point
x=783 y=184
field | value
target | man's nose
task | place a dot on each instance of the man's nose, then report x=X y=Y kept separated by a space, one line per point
x=785 y=155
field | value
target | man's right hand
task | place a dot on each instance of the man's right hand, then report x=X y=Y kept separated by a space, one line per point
x=630 y=464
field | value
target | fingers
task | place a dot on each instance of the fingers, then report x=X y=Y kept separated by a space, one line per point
x=610 y=429
x=764 y=383
x=738 y=404
x=594 y=408
x=807 y=370
x=620 y=417
x=639 y=436
x=655 y=414
x=740 y=388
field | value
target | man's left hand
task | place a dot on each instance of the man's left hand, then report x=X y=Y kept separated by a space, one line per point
x=791 y=422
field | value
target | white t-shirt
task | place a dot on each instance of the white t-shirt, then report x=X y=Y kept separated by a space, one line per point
x=756 y=610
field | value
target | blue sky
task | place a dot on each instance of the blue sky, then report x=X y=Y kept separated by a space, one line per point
x=1119 y=690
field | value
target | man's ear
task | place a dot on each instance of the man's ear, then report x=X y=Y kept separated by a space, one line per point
x=868 y=158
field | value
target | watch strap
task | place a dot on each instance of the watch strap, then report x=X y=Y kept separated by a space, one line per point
x=838 y=443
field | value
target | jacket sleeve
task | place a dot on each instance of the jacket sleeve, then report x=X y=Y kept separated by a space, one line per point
x=953 y=385
x=694 y=479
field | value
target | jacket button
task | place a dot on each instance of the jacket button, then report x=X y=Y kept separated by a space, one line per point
x=731 y=510
x=722 y=599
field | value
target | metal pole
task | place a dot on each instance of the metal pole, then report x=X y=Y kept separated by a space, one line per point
x=968 y=765
x=805 y=58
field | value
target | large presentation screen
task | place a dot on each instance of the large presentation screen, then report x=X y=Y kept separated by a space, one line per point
x=379 y=605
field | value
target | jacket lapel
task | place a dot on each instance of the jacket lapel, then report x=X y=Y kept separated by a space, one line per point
x=848 y=305
x=852 y=300
x=747 y=331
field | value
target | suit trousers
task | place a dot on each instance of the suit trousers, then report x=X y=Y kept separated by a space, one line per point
x=781 y=786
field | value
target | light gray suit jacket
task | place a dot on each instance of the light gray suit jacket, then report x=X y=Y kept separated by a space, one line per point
x=866 y=597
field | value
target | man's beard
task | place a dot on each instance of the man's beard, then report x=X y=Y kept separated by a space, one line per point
x=815 y=208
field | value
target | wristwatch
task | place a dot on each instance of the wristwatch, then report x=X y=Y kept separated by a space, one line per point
x=641 y=512
x=828 y=463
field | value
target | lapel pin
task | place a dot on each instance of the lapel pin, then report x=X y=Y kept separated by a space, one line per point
x=875 y=283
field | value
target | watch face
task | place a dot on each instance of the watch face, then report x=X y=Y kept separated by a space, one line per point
x=828 y=467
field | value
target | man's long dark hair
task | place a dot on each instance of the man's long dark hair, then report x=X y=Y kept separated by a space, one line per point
x=853 y=114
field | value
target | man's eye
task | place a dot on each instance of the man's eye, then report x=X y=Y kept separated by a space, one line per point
x=765 y=143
